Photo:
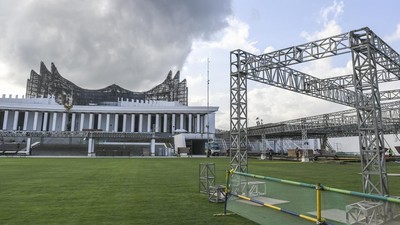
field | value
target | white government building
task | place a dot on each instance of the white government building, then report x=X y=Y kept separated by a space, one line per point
x=41 y=115
x=44 y=114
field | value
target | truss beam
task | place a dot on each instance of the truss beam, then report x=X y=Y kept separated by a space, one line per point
x=299 y=82
x=389 y=95
x=337 y=124
x=383 y=54
x=319 y=49
x=293 y=80
x=346 y=81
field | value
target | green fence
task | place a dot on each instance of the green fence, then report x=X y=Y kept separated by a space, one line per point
x=268 y=200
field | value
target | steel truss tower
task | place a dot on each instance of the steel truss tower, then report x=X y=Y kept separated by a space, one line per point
x=373 y=167
x=373 y=61
x=238 y=113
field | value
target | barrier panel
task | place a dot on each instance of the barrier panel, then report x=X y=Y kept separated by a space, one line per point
x=268 y=201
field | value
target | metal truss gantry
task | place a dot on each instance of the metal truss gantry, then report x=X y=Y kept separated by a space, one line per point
x=373 y=62
x=337 y=124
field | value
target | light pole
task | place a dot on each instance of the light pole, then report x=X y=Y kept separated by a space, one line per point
x=208 y=106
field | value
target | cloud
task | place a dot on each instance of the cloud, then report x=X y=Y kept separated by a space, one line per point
x=395 y=36
x=234 y=36
x=98 y=43
x=330 y=28
x=328 y=17
x=268 y=49
x=217 y=49
x=274 y=104
x=11 y=86
x=268 y=103
x=332 y=11
x=324 y=68
x=195 y=80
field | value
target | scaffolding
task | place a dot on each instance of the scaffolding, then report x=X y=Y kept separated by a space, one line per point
x=206 y=177
x=50 y=83
x=373 y=62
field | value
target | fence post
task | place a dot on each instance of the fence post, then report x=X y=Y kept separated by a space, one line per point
x=226 y=190
x=318 y=188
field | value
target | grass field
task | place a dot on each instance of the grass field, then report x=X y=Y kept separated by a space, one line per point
x=139 y=191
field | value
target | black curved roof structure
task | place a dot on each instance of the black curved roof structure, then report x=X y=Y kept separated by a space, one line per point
x=51 y=83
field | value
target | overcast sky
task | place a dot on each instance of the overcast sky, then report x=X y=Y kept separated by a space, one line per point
x=96 y=43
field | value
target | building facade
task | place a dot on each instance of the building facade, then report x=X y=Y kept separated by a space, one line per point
x=57 y=112
x=45 y=114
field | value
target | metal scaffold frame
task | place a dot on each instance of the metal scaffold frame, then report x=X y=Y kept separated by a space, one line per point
x=337 y=124
x=206 y=177
x=238 y=114
x=50 y=83
x=371 y=140
x=373 y=61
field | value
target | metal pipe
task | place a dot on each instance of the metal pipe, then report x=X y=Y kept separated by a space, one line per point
x=318 y=188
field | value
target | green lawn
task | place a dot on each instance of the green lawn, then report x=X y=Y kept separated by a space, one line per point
x=139 y=191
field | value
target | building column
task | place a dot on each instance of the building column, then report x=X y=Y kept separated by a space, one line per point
x=28 y=146
x=157 y=123
x=108 y=123
x=64 y=119
x=82 y=120
x=124 y=123
x=53 y=124
x=173 y=124
x=15 y=124
x=149 y=123
x=91 y=147
x=165 y=129
x=26 y=117
x=91 y=121
x=99 y=121
x=181 y=121
x=116 y=123
x=133 y=123
x=45 y=121
x=140 y=122
x=206 y=123
x=89 y=142
x=190 y=124
x=198 y=123
x=153 y=147
x=35 y=120
x=73 y=120
x=5 y=120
